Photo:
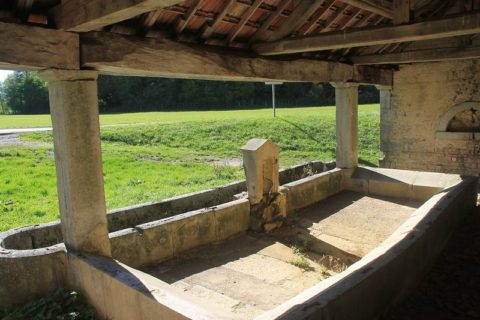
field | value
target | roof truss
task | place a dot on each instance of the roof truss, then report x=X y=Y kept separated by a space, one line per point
x=427 y=30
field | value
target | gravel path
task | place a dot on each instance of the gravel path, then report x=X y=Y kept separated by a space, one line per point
x=452 y=289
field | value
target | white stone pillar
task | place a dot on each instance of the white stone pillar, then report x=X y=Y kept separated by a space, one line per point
x=76 y=133
x=346 y=100
x=385 y=106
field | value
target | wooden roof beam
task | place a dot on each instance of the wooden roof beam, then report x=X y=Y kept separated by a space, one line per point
x=301 y=13
x=183 y=21
x=35 y=48
x=87 y=15
x=427 y=30
x=116 y=54
x=369 y=6
x=432 y=55
x=209 y=29
x=270 y=20
x=313 y=23
x=250 y=11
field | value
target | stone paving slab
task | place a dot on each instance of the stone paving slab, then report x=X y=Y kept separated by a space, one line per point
x=253 y=273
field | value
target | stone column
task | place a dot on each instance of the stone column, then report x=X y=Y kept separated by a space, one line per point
x=76 y=133
x=346 y=100
x=385 y=106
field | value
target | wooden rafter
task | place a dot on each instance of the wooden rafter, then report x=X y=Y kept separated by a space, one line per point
x=183 y=21
x=87 y=15
x=402 y=15
x=246 y=16
x=209 y=29
x=148 y=20
x=312 y=24
x=270 y=20
x=418 y=56
x=333 y=19
x=427 y=30
x=351 y=19
x=368 y=6
x=302 y=12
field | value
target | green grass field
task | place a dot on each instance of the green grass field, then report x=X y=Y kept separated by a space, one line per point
x=163 y=154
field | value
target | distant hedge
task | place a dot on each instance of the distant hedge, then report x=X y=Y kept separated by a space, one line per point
x=25 y=93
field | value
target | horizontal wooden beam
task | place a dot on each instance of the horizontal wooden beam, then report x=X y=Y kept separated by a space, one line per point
x=33 y=48
x=430 y=55
x=88 y=15
x=374 y=8
x=427 y=30
x=133 y=56
x=370 y=75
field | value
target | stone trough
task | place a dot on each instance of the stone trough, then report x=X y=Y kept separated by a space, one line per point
x=329 y=244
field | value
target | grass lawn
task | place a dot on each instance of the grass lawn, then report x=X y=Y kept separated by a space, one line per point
x=167 y=154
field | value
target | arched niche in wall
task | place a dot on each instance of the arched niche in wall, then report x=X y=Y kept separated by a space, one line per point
x=461 y=122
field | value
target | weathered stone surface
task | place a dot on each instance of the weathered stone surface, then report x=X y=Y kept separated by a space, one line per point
x=48 y=234
x=76 y=132
x=346 y=101
x=421 y=95
x=160 y=240
x=391 y=271
x=304 y=192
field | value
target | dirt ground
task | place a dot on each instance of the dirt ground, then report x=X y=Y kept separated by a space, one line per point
x=452 y=289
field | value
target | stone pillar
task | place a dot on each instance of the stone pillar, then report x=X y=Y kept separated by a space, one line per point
x=385 y=107
x=76 y=133
x=260 y=161
x=346 y=100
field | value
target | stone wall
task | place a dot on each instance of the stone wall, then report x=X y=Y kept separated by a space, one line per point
x=421 y=96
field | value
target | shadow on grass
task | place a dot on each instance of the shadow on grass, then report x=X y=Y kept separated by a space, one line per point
x=300 y=128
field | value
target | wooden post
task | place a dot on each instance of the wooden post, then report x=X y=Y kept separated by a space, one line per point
x=76 y=133
x=346 y=100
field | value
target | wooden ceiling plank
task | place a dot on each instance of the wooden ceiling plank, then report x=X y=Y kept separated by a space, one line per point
x=270 y=20
x=368 y=6
x=333 y=19
x=183 y=21
x=433 y=29
x=246 y=16
x=209 y=29
x=351 y=21
x=87 y=15
x=312 y=24
x=300 y=14
x=418 y=56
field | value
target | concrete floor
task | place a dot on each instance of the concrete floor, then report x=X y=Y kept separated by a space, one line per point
x=248 y=275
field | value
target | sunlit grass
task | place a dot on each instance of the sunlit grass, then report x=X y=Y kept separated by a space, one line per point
x=176 y=154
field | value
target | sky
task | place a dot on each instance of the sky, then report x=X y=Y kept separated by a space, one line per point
x=4 y=74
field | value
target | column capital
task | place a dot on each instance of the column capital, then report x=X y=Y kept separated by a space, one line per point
x=52 y=75
x=383 y=87
x=341 y=85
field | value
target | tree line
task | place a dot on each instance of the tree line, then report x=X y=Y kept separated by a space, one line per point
x=25 y=93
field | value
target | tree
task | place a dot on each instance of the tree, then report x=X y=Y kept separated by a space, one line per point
x=25 y=93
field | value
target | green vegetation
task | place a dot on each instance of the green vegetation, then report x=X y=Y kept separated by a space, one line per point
x=60 y=305
x=170 y=154
x=300 y=260
x=25 y=93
